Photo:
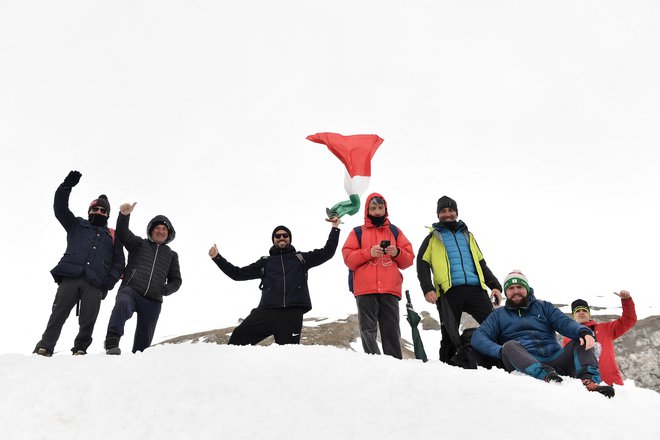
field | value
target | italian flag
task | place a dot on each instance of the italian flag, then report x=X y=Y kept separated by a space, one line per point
x=355 y=152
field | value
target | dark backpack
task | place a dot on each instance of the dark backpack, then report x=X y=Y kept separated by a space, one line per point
x=358 y=234
x=466 y=356
x=469 y=358
x=263 y=269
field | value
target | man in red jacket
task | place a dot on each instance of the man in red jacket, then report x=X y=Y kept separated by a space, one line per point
x=376 y=252
x=606 y=333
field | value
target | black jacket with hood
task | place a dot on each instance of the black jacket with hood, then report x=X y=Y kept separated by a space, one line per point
x=283 y=275
x=152 y=269
x=91 y=252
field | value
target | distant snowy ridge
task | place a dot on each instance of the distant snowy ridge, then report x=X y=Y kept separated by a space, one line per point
x=637 y=351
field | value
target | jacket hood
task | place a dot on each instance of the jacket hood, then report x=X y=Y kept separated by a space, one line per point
x=161 y=219
x=367 y=220
x=460 y=225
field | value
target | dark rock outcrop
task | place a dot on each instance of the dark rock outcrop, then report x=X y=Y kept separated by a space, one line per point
x=637 y=351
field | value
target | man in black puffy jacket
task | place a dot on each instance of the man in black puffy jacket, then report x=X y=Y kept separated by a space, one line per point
x=151 y=273
x=91 y=265
x=284 y=292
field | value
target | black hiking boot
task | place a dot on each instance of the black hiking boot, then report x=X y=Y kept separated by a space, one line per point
x=78 y=351
x=41 y=351
x=605 y=390
x=112 y=345
x=552 y=376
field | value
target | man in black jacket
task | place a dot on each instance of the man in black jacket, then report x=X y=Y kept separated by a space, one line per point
x=284 y=292
x=152 y=272
x=91 y=265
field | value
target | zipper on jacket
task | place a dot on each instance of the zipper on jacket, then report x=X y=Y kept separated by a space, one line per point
x=152 y=270
x=460 y=254
x=283 y=279
x=131 y=277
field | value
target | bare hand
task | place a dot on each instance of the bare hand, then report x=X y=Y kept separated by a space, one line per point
x=496 y=295
x=127 y=208
x=336 y=221
x=431 y=297
x=391 y=250
x=213 y=252
x=589 y=342
x=624 y=294
x=377 y=251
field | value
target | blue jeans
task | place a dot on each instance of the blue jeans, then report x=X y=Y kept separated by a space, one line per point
x=128 y=302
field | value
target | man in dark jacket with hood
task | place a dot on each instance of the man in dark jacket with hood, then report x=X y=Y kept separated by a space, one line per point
x=91 y=265
x=284 y=292
x=152 y=272
x=522 y=334
x=460 y=275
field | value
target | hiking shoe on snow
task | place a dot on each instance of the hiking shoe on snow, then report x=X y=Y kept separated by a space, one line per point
x=552 y=376
x=605 y=390
x=111 y=345
x=43 y=352
x=78 y=352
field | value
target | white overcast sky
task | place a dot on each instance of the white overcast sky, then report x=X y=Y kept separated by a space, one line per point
x=539 y=118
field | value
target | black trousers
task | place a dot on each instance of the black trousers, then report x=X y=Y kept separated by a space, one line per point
x=284 y=324
x=69 y=292
x=472 y=300
x=379 y=310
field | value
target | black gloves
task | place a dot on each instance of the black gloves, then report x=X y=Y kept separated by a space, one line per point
x=71 y=179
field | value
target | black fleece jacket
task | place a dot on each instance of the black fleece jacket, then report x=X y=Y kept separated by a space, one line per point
x=283 y=275
x=153 y=269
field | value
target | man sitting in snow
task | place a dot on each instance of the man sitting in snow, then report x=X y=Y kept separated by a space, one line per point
x=284 y=292
x=606 y=333
x=526 y=327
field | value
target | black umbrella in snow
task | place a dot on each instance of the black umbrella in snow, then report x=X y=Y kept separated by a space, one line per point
x=414 y=319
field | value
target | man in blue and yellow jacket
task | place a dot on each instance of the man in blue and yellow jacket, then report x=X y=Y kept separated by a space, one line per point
x=460 y=274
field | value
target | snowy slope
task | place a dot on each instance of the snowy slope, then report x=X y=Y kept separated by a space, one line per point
x=206 y=391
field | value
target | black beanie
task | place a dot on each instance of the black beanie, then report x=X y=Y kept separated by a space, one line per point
x=446 y=202
x=280 y=228
x=101 y=201
x=580 y=304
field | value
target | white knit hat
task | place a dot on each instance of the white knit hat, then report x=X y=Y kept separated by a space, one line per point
x=516 y=277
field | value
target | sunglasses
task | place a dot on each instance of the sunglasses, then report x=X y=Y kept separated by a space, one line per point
x=95 y=209
x=283 y=235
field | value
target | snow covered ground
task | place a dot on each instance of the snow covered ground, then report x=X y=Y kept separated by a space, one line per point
x=207 y=391
x=539 y=118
